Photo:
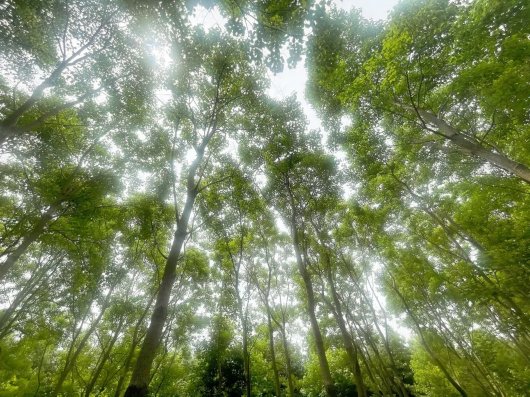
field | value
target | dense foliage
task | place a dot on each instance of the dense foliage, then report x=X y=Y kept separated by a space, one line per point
x=169 y=229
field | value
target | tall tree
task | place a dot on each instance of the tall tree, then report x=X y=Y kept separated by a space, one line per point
x=213 y=80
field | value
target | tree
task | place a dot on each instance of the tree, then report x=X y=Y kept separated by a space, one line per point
x=298 y=183
x=412 y=74
x=215 y=82
x=167 y=228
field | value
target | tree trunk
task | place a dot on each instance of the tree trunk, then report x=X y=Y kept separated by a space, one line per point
x=265 y=297
x=7 y=129
x=12 y=119
x=138 y=385
x=311 y=305
x=70 y=360
x=28 y=239
x=319 y=341
x=273 y=353
x=351 y=349
x=103 y=360
x=246 y=360
x=428 y=349
x=467 y=145
x=401 y=389
x=140 y=378
x=288 y=367
x=24 y=297
x=134 y=343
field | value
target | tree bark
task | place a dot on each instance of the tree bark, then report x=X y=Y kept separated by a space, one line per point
x=285 y=344
x=134 y=343
x=246 y=360
x=12 y=119
x=468 y=146
x=288 y=365
x=265 y=297
x=28 y=239
x=140 y=378
x=103 y=360
x=311 y=304
x=138 y=385
x=351 y=349
x=24 y=298
x=71 y=359
x=8 y=125
x=319 y=340
x=273 y=353
x=428 y=349
x=401 y=389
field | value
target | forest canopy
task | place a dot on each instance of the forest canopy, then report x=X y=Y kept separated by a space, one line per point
x=169 y=228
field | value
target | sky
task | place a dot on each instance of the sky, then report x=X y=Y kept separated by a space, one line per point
x=294 y=80
x=371 y=9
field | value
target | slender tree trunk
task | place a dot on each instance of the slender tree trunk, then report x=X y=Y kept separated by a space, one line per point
x=164 y=374
x=24 y=296
x=285 y=344
x=402 y=390
x=378 y=363
x=103 y=360
x=12 y=119
x=466 y=349
x=40 y=370
x=273 y=353
x=311 y=304
x=28 y=239
x=319 y=341
x=7 y=126
x=243 y=314
x=388 y=377
x=288 y=366
x=265 y=297
x=351 y=349
x=71 y=359
x=428 y=349
x=246 y=360
x=474 y=148
x=138 y=385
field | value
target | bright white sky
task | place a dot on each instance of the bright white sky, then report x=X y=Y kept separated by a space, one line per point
x=294 y=80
